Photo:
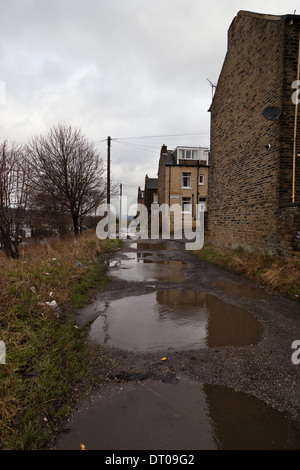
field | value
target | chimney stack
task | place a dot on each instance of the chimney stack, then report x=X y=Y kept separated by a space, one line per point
x=164 y=149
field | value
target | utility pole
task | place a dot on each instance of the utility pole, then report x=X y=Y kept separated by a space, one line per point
x=120 y=205
x=108 y=183
x=108 y=169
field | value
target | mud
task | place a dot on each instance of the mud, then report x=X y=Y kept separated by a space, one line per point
x=260 y=369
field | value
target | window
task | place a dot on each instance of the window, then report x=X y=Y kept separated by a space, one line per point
x=186 y=204
x=202 y=204
x=201 y=179
x=188 y=154
x=155 y=197
x=186 y=180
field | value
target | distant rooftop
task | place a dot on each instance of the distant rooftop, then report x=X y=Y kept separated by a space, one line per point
x=151 y=183
x=181 y=152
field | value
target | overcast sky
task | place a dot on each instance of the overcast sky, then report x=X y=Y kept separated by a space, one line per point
x=128 y=69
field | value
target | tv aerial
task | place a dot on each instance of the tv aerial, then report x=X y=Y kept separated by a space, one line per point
x=213 y=85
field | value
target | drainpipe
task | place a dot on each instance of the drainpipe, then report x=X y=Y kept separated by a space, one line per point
x=170 y=186
x=295 y=129
x=170 y=192
x=197 y=202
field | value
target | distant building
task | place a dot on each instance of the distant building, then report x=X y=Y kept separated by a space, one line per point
x=140 y=196
x=254 y=184
x=150 y=192
x=183 y=178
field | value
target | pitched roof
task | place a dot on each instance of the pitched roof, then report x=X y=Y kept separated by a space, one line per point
x=151 y=183
x=169 y=158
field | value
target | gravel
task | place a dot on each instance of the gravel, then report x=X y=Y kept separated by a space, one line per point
x=264 y=370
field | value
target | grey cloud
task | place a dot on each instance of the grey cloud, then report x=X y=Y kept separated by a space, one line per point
x=116 y=67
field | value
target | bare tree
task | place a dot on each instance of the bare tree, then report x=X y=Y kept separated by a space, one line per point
x=47 y=214
x=68 y=168
x=14 y=190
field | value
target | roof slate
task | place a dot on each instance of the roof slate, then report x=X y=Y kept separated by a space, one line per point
x=151 y=183
x=169 y=158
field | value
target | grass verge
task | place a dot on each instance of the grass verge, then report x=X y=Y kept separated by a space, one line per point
x=45 y=351
x=278 y=275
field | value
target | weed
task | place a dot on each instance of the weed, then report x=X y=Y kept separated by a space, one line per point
x=46 y=354
x=276 y=274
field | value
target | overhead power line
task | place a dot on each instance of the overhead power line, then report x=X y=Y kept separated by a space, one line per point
x=133 y=141
x=160 y=136
x=136 y=145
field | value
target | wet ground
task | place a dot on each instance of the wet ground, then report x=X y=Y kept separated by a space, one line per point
x=187 y=356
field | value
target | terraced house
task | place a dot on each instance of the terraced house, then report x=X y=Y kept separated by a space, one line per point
x=183 y=178
x=254 y=185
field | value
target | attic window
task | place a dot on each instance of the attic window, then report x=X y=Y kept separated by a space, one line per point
x=188 y=154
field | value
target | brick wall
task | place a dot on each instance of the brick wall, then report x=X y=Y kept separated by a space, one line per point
x=289 y=213
x=291 y=44
x=247 y=181
x=162 y=180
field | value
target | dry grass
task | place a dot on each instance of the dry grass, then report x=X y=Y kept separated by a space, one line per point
x=48 y=268
x=278 y=275
x=45 y=352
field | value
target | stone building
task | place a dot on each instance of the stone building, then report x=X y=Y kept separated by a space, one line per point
x=150 y=192
x=140 y=196
x=183 y=178
x=254 y=183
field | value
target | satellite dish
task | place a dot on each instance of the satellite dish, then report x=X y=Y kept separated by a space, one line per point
x=271 y=113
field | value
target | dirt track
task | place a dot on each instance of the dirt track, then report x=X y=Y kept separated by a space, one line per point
x=264 y=370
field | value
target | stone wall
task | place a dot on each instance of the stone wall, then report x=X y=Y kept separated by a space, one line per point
x=250 y=158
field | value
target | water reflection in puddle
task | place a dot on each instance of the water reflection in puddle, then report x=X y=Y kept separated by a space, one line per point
x=241 y=290
x=138 y=267
x=183 y=416
x=174 y=319
x=151 y=246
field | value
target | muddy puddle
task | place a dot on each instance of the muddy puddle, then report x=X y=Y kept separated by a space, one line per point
x=187 y=415
x=151 y=246
x=241 y=290
x=142 y=268
x=173 y=319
